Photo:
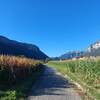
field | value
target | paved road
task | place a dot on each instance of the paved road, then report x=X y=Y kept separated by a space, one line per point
x=52 y=86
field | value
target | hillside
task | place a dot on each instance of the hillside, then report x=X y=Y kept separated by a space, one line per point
x=11 y=47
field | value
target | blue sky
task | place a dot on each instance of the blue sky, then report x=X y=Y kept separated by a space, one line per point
x=56 y=26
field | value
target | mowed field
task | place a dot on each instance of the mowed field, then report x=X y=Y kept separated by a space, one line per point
x=17 y=75
x=85 y=72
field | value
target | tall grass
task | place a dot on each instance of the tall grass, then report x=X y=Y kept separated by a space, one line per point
x=86 y=72
x=13 y=68
x=17 y=75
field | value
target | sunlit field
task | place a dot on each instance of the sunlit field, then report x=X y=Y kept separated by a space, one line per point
x=85 y=72
x=17 y=75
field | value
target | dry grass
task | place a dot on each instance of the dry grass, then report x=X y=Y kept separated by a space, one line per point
x=13 y=68
x=17 y=76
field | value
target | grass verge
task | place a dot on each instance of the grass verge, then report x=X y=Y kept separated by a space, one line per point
x=86 y=73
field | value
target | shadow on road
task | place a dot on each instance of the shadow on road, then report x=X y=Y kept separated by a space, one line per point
x=50 y=83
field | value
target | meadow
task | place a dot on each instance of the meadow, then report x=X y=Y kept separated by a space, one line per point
x=85 y=72
x=17 y=75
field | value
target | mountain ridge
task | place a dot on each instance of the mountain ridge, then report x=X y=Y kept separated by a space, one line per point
x=12 y=47
x=71 y=54
x=93 y=49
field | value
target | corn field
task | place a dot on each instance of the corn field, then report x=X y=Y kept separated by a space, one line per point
x=85 y=72
x=14 y=68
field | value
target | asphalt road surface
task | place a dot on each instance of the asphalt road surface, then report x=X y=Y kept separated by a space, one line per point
x=53 y=86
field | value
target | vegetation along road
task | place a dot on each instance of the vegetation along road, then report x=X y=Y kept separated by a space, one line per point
x=52 y=86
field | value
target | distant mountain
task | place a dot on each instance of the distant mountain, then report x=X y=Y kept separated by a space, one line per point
x=55 y=58
x=11 y=47
x=93 y=49
x=71 y=54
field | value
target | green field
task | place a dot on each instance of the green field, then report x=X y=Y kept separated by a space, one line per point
x=84 y=72
x=17 y=76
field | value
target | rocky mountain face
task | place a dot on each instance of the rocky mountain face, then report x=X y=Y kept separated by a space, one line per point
x=93 y=49
x=71 y=54
x=11 y=47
